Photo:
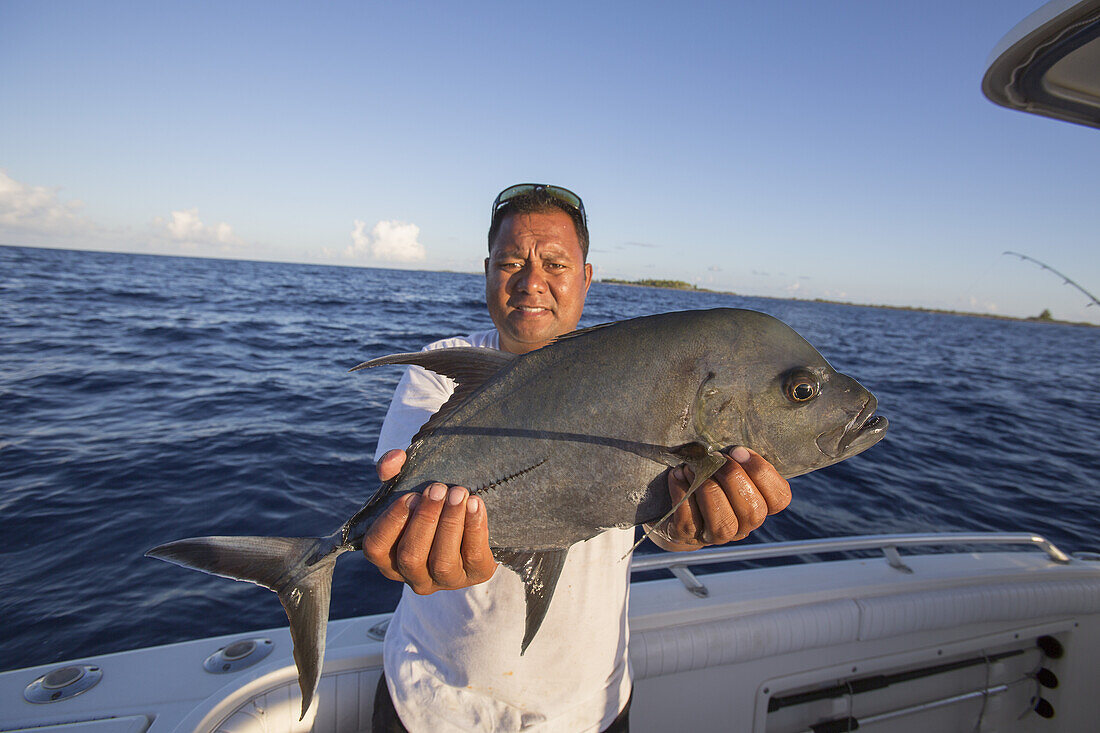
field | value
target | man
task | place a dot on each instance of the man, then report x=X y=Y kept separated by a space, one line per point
x=452 y=659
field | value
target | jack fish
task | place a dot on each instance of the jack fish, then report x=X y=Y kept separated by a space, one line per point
x=572 y=439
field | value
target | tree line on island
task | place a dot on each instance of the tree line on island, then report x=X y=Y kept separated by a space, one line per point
x=650 y=283
x=1044 y=317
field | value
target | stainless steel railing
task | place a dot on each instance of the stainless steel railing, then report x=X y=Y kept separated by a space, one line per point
x=679 y=563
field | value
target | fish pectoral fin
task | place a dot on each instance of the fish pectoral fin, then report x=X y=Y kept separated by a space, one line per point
x=539 y=570
x=703 y=462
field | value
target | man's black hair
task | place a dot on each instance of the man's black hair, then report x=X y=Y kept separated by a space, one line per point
x=539 y=202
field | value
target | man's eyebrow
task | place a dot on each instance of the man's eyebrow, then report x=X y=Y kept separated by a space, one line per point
x=559 y=254
x=546 y=253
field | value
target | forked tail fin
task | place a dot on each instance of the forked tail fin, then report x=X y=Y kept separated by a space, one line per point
x=281 y=564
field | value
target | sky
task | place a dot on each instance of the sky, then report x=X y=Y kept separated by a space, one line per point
x=838 y=150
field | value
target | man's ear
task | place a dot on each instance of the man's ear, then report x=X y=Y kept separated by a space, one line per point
x=486 y=265
x=587 y=274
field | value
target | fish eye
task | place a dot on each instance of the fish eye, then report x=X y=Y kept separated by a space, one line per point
x=802 y=386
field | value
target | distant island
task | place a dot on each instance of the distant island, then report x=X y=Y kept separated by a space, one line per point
x=667 y=284
x=1043 y=317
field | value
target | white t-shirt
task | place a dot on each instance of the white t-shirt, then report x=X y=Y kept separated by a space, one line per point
x=452 y=658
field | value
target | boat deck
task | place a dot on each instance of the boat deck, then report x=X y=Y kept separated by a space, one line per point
x=901 y=642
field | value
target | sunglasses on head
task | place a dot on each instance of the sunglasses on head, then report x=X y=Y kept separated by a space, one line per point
x=564 y=195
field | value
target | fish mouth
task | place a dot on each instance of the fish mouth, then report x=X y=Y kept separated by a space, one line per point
x=860 y=433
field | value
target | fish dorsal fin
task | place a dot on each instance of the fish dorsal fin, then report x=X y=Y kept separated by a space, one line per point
x=539 y=571
x=464 y=364
x=582 y=331
x=469 y=366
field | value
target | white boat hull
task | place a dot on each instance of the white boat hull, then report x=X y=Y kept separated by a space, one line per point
x=713 y=659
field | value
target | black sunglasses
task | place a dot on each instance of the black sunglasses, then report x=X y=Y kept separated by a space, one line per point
x=564 y=195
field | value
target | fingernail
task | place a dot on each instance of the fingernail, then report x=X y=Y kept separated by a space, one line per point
x=455 y=497
x=741 y=454
x=473 y=505
x=412 y=500
x=436 y=492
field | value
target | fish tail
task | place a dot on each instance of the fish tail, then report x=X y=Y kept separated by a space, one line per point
x=296 y=568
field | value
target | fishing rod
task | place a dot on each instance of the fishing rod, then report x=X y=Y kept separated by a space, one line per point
x=1067 y=280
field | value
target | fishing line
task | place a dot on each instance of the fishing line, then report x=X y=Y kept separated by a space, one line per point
x=1066 y=280
x=984 y=290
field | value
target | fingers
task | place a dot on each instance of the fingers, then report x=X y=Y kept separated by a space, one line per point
x=445 y=560
x=415 y=544
x=433 y=541
x=775 y=489
x=380 y=541
x=686 y=523
x=730 y=504
x=477 y=558
x=389 y=465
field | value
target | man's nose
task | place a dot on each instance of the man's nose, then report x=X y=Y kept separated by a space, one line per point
x=530 y=280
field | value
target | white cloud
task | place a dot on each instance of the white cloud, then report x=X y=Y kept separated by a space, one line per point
x=37 y=209
x=37 y=215
x=987 y=305
x=394 y=241
x=186 y=226
x=360 y=242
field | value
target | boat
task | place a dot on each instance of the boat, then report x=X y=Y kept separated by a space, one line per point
x=1049 y=64
x=994 y=632
x=921 y=632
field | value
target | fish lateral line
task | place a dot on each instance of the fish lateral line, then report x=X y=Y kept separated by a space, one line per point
x=657 y=453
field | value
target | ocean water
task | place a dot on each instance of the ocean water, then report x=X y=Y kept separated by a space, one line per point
x=145 y=399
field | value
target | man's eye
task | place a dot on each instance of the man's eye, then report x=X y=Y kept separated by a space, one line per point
x=555 y=266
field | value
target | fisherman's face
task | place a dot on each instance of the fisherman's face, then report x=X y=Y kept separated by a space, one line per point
x=536 y=279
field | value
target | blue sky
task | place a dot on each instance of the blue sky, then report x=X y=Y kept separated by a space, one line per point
x=839 y=150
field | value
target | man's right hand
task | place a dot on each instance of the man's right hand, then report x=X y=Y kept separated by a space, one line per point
x=438 y=540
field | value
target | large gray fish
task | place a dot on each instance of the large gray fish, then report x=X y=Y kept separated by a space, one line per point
x=572 y=439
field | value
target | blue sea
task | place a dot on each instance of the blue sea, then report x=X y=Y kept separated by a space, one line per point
x=145 y=399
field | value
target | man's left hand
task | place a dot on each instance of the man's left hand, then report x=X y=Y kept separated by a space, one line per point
x=727 y=506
